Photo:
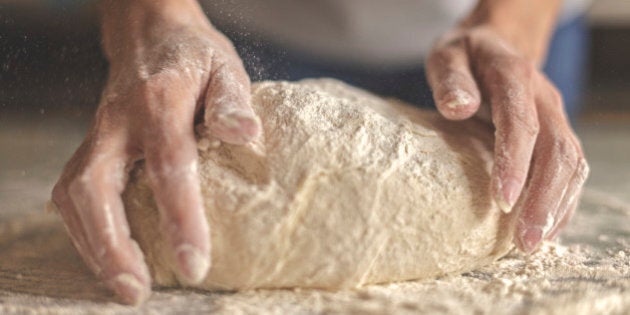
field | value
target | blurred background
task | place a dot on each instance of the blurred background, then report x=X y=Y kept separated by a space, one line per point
x=52 y=71
x=51 y=63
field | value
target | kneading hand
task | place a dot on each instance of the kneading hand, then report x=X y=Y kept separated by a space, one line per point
x=168 y=68
x=539 y=165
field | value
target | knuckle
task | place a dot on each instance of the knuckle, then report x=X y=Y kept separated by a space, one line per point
x=224 y=72
x=157 y=84
x=155 y=99
x=169 y=147
x=169 y=165
x=60 y=195
x=79 y=196
x=167 y=137
x=90 y=181
x=524 y=68
x=82 y=185
x=551 y=98
x=526 y=121
x=451 y=39
x=230 y=69
x=440 y=57
x=223 y=58
x=108 y=243
x=224 y=40
x=183 y=51
x=506 y=66
x=582 y=170
x=555 y=96
x=565 y=149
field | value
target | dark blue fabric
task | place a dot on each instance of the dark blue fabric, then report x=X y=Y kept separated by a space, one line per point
x=567 y=62
x=565 y=66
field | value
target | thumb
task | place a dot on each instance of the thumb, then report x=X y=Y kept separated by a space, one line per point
x=455 y=91
x=229 y=115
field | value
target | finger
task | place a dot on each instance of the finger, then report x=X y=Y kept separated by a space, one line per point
x=95 y=194
x=552 y=184
x=123 y=285
x=229 y=115
x=516 y=122
x=563 y=222
x=171 y=160
x=62 y=205
x=454 y=88
x=539 y=209
x=570 y=198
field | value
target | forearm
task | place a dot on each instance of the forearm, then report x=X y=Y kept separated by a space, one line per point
x=526 y=24
x=125 y=23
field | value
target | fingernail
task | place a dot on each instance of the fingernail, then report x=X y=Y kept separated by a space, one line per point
x=459 y=98
x=193 y=265
x=507 y=194
x=129 y=289
x=531 y=238
x=236 y=126
x=232 y=119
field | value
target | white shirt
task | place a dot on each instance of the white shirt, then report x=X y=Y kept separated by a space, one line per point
x=362 y=32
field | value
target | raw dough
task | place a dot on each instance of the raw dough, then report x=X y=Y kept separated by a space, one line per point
x=342 y=189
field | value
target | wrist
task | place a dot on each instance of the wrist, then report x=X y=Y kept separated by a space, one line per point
x=526 y=24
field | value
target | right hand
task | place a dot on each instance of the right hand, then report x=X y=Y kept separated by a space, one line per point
x=164 y=73
x=539 y=166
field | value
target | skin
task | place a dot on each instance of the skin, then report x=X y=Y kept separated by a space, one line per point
x=170 y=68
x=489 y=67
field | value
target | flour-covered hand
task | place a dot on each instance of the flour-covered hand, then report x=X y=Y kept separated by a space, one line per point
x=478 y=69
x=169 y=68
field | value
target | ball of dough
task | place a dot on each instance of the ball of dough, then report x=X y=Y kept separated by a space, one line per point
x=343 y=188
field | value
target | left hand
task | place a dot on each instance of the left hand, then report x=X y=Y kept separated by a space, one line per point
x=539 y=164
x=169 y=69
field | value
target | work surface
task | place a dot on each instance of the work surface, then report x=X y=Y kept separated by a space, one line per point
x=588 y=273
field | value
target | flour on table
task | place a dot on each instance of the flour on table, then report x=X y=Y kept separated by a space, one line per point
x=342 y=189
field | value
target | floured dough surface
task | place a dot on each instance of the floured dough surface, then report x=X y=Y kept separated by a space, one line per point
x=342 y=189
